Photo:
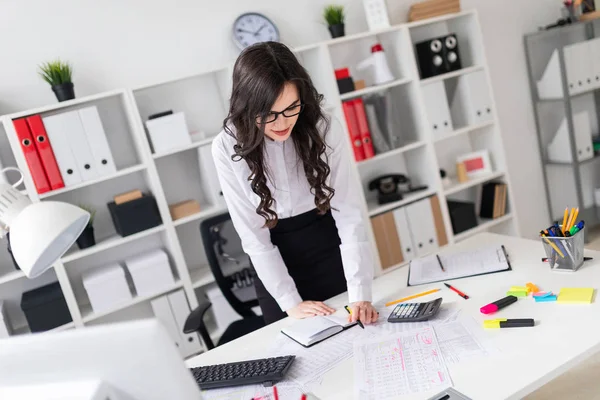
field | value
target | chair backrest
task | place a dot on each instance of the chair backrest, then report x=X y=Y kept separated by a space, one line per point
x=211 y=232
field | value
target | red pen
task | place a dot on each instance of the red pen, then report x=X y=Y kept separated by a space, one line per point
x=461 y=294
x=275 y=394
x=303 y=397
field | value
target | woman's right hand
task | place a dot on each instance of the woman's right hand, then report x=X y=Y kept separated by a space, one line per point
x=310 y=309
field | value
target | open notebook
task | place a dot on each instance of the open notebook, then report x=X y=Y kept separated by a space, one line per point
x=313 y=330
x=459 y=265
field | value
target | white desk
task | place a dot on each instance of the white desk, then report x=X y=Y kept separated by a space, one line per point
x=564 y=334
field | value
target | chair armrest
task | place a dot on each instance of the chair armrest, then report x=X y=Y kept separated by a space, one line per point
x=195 y=323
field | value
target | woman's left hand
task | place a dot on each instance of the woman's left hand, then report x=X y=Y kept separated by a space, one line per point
x=364 y=311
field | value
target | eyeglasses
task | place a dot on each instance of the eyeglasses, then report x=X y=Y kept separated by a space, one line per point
x=273 y=115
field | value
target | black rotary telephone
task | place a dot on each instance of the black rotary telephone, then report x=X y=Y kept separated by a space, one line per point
x=391 y=187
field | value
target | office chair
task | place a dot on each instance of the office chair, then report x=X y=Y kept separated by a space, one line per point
x=210 y=231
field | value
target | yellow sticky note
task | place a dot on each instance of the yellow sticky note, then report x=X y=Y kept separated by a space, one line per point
x=518 y=288
x=576 y=295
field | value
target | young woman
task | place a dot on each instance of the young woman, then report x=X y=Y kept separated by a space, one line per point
x=286 y=179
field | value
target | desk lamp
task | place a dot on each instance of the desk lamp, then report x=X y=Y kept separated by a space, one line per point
x=40 y=233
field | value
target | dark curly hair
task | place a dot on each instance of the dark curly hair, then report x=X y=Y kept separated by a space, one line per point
x=259 y=75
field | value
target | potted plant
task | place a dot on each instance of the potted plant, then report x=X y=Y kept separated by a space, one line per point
x=87 y=239
x=334 y=16
x=58 y=75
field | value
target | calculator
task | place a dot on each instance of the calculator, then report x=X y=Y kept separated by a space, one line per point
x=414 y=312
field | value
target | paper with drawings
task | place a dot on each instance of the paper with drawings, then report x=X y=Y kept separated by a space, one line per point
x=458 y=265
x=314 y=361
x=400 y=364
x=457 y=343
x=461 y=340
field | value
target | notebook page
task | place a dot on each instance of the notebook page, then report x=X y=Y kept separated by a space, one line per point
x=340 y=317
x=459 y=265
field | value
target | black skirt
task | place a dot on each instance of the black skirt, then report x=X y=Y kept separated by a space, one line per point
x=310 y=247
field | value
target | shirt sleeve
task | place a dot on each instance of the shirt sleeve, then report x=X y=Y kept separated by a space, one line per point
x=255 y=237
x=357 y=257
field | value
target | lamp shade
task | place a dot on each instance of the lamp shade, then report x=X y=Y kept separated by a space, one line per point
x=42 y=232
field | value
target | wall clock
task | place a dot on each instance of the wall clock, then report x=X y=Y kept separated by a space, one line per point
x=251 y=28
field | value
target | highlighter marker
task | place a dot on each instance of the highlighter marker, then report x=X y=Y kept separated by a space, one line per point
x=508 y=323
x=497 y=305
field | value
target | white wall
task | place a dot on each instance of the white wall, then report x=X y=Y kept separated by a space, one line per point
x=128 y=43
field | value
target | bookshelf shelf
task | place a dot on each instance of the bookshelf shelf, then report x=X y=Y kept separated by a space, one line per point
x=183 y=174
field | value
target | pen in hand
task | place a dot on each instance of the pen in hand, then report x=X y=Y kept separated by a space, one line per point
x=358 y=320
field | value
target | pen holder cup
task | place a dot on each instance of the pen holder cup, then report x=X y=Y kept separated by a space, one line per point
x=565 y=253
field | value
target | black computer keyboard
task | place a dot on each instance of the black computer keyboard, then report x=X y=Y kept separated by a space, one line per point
x=267 y=370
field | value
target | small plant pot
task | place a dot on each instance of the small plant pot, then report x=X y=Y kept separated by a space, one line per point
x=86 y=239
x=337 y=30
x=64 y=91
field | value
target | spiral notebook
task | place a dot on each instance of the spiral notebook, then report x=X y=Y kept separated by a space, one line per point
x=446 y=267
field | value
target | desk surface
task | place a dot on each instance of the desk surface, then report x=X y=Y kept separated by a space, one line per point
x=564 y=334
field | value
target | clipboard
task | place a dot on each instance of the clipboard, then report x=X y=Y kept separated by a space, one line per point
x=459 y=265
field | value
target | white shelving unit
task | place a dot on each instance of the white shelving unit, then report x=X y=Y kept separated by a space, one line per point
x=176 y=175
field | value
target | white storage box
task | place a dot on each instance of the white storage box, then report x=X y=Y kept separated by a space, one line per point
x=5 y=330
x=151 y=272
x=107 y=287
x=168 y=132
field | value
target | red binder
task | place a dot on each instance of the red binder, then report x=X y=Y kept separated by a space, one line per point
x=31 y=156
x=44 y=149
x=351 y=120
x=363 y=128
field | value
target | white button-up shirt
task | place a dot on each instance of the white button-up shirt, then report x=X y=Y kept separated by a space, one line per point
x=291 y=193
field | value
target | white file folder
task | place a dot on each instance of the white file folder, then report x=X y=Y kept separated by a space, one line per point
x=162 y=312
x=210 y=180
x=550 y=84
x=559 y=149
x=594 y=51
x=436 y=107
x=65 y=159
x=422 y=227
x=584 y=65
x=97 y=140
x=471 y=103
x=406 y=243
x=181 y=310
x=578 y=67
x=71 y=125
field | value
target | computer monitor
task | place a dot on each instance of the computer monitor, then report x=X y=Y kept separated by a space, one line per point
x=136 y=359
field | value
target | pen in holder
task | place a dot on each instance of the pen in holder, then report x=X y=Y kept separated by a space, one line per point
x=565 y=253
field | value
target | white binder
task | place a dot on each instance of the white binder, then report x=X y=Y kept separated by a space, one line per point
x=97 y=141
x=550 y=84
x=403 y=229
x=584 y=65
x=594 y=51
x=190 y=344
x=471 y=103
x=71 y=125
x=422 y=227
x=559 y=149
x=162 y=312
x=578 y=67
x=210 y=180
x=436 y=107
x=62 y=149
